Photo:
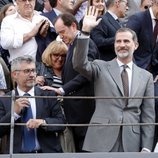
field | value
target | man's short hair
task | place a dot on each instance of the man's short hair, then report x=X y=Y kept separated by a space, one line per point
x=125 y=29
x=67 y=19
x=53 y=3
x=15 y=64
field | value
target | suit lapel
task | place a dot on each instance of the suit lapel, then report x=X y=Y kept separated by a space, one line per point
x=38 y=102
x=114 y=71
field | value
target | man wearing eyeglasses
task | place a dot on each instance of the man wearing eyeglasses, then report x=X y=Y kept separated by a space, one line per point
x=18 y=31
x=44 y=111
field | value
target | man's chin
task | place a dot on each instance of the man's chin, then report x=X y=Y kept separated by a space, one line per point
x=123 y=55
x=31 y=84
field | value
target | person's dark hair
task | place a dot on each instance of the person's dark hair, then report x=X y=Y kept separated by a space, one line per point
x=53 y=3
x=125 y=29
x=110 y=3
x=67 y=19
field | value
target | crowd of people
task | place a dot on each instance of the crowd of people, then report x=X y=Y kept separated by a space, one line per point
x=79 y=48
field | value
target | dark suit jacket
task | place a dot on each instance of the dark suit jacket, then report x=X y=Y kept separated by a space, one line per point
x=50 y=15
x=78 y=110
x=103 y=36
x=141 y=23
x=47 y=109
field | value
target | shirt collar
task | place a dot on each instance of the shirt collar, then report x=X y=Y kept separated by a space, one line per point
x=113 y=15
x=130 y=64
x=57 y=12
x=152 y=14
x=21 y=93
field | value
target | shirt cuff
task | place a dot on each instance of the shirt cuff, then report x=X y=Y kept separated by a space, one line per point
x=146 y=150
x=16 y=116
x=62 y=91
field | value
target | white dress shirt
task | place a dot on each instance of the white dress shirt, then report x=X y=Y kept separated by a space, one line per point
x=129 y=72
x=13 y=28
x=33 y=107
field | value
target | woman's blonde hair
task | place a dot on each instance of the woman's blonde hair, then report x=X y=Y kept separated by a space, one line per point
x=55 y=47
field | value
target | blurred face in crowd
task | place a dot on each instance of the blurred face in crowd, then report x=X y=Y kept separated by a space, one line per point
x=146 y=3
x=122 y=8
x=26 y=8
x=125 y=45
x=25 y=75
x=99 y=4
x=67 y=4
x=11 y=10
x=47 y=5
x=67 y=34
x=155 y=8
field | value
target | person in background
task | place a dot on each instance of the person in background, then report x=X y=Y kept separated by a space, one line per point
x=145 y=4
x=3 y=85
x=78 y=111
x=100 y=5
x=4 y=2
x=50 y=70
x=33 y=111
x=18 y=34
x=103 y=34
x=47 y=6
x=6 y=10
x=119 y=77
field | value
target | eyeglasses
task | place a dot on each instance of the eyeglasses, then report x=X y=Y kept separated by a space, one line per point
x=24 y=1
x=28 y=71
x=59 y=55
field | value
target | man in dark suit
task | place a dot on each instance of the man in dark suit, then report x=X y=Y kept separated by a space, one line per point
x=58 y=8
x=42 y=110
x=143 y=24
x=109 y=78
x=103 y=34
x=76 y=110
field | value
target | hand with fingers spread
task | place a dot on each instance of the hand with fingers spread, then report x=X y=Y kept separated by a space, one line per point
x=90 y=19
x=20 y=104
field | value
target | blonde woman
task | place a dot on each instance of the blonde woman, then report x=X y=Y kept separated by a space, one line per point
x=49 y=71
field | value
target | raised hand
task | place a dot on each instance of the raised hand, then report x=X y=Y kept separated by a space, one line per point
x=90 y=19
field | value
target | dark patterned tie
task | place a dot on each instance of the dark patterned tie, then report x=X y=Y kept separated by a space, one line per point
x=124 y=76
x=155 y=33
x=28 y=134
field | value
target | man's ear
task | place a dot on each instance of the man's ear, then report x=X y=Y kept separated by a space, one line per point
x=136 y=45
x=14 y=75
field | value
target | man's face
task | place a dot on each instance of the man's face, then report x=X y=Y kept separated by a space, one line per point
x=124 y=45
x=25 y=75
x=67 y=34
x=25 y=7
x=67 y=5
x=122 y=8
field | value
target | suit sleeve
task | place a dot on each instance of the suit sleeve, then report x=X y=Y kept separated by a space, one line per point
x=148 y=116
x=55 y=114
x=85 y=67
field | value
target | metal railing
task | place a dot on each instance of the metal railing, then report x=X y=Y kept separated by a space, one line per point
x=75 y=155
